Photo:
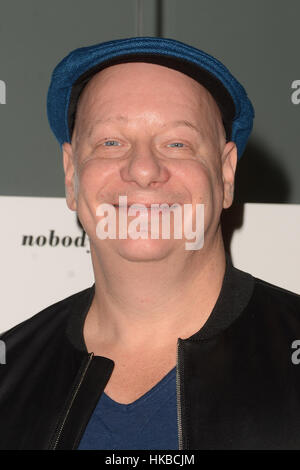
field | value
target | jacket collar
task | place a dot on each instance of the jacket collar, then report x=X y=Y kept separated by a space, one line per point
x=235 y=293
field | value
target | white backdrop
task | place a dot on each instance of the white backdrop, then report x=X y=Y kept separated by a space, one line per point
x=45 y=257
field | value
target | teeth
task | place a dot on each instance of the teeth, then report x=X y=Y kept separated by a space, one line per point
x=142 y=207
x=139 y=206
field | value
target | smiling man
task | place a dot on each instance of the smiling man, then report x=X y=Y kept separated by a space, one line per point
x=166 y=144
x=171 y=348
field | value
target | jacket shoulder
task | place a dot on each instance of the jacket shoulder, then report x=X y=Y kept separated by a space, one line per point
x=276 y=292
x=49 y=317
x=276 y=304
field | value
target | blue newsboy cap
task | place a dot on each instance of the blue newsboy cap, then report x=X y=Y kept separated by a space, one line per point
x=76 y=69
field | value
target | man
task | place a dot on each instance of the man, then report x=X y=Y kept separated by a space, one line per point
x=172 y=347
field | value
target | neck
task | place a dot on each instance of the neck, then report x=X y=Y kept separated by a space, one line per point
x=136 y=304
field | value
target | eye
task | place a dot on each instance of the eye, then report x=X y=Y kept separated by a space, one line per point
x=176 y=144
x=111 y=143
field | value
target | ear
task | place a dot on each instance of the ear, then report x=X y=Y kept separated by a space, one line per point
x=229 y=161
x=69 y=168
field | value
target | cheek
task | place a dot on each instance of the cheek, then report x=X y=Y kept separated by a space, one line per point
x=199 y=180
x=90 y=184
x=93 y=177
x=205 y=186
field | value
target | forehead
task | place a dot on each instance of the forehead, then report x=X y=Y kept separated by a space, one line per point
x=144 y=90
x=145 y=79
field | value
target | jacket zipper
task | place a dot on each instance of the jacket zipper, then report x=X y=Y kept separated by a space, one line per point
x=178 y=389
x=60 y=430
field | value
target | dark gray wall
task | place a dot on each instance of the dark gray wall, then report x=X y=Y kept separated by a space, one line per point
x=257 y=40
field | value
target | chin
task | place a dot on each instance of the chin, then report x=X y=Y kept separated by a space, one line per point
x=144 y=250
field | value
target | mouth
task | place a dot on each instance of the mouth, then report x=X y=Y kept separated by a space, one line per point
x=154 y=207
x=142 y=205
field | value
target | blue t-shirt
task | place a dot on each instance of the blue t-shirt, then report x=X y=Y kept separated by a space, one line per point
x=150 y=422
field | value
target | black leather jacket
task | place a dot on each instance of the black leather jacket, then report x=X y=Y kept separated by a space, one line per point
x=237 y=387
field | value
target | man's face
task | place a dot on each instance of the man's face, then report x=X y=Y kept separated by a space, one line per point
x=155 y=135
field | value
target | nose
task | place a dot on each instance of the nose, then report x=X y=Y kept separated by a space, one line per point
x=144 y=167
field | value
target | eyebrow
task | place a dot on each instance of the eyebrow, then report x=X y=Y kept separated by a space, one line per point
x=177 y=123
x=98 y=121
x=182 y=123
